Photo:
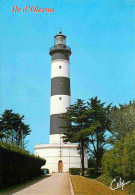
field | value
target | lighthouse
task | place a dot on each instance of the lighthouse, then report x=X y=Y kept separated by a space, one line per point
x=60 y=86
x=58 y=155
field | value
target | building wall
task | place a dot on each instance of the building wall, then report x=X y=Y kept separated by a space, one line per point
x=69 y=155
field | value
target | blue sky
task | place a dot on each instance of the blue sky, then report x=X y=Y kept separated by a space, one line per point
x=101 y=36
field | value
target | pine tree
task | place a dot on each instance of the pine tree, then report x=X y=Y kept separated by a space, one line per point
x=97 y=113
x=77 y=130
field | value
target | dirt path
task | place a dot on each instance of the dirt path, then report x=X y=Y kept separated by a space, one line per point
x=56 y=184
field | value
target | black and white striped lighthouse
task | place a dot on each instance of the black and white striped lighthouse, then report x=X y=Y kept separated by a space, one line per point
x=58 y=155
x=60 y=85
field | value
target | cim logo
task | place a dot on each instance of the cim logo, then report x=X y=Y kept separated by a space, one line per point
x=119 y=185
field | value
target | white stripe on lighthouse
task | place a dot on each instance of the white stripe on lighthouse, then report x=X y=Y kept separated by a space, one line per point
x=56 y=139
x=59 y=103
x=60 y=68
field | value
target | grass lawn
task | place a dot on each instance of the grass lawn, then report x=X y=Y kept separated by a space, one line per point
x=85 y=186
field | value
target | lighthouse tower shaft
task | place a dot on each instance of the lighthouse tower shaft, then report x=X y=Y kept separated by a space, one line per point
x=60 y=86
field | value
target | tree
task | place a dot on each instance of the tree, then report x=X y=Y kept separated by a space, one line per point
x=128 y=158
x=97 y=113
x=120 y=161
x=77 y=129
x=111 y=161
x=88 y=125
x=122 y=120
x=12 y=128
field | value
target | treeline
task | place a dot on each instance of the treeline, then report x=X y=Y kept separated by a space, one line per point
x=120 y=160
x=105 y=131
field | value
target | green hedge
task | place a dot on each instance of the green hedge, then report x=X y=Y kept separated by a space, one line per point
x=89 y=172
x=74 y=171
x=18 y=166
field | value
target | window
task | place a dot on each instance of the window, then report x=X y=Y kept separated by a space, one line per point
x=60 y=98
x=59 y=67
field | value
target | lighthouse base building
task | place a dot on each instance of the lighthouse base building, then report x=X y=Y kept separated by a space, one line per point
x=58 y=155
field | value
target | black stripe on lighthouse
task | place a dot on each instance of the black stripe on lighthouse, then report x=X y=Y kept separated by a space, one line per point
x=60 y=55
x=56 y=124
x=60 y=86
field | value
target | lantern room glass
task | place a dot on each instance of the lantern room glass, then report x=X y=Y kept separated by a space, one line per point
x=60 y=40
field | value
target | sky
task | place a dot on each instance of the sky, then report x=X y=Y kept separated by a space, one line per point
x=101 y=36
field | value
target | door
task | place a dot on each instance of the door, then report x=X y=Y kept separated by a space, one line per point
x=60 y=166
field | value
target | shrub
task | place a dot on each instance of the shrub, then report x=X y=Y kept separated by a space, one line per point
x=88 y=172
x=74 y=171
x=91 y=172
